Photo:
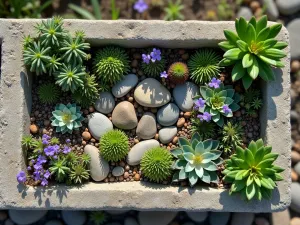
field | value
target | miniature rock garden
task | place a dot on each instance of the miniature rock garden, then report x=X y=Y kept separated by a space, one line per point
x=170 y=116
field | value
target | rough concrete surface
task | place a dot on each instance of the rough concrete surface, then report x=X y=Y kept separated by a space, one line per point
x=15 y=103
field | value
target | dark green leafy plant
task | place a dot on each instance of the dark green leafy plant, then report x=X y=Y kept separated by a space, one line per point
x=98 y=217
x=251 y=171
x=114 y=145
x=196 y=160
x=90 y=87
x=81 y=100
x=173 y=10
x=256 y=103
x=153 y=69
x=156 y=164
x=79 y=174
x=204 y=65
x=178 y=73
x=231 y=136
x=48 y=93
x=111 y=64
x=253 y=50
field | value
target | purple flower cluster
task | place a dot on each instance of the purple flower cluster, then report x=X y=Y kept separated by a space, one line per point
x=21 y=177
x=140 y=6
x=199 y=103
x=205 y=117
x=52 y=150
x=153 y=56
x=214 y=83
x=164 y=74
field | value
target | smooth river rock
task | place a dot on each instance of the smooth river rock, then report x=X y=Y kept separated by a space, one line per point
x=151 y=93
x=156 y=217
x=146 y=128
x=219 y=218
x=288 y=7
x=183 y=95
x=293 y=28
x=130 y=221
x=295 y=205
x=271 y=9
x=167 y=134
x=242 y=218
x=244 y=12
x=168 y=115
x=99 y=124
x=118 y=171
x=124 y=116
x=197 y=217
x=54 y=222
x=105 y=103
x=136 y=153
x=121 y=88
x=73 y=217
x=99 y=167
x=26 y=217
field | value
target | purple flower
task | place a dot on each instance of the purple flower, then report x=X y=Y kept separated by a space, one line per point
x=41 y=159
x=200 y=103
x=214 y=83
x=51 y=150
x=38 y=166
x=66 y=150
x=37 y=175
x=226 y=109
x=21 y=177
x=28 y=168
x=146 y=58
x=156 y=55
x=45 y=141
x=164 y=74
x=47 y=174
x=45 y=136
x=140 y=6
x=68 y=141
x=44 y=182
x=205 y=117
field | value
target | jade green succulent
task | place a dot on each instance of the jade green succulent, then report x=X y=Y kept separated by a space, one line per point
x=253 y=50
x=66 y=118
x=197 y=160
x=156 y=164
x=48 y=93
x=251 y=171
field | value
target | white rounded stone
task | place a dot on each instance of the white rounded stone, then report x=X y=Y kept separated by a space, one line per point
x=146 y=128
x=167 y=134
x=121 y=88
x=99 y=124
x=26 y=217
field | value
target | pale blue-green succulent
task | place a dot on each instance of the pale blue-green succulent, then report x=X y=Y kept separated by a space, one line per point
x=66 y=118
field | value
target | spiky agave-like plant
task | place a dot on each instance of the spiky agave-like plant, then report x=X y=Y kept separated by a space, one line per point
x=59 y=169
x=79 y=174
x=156 y=164
x=251 y=171
x=114 y=145
x=204 y=65
x=111 y=64
x=178 y=73
x=48 y=93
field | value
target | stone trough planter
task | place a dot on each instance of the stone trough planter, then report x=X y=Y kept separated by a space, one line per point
x=15 y=105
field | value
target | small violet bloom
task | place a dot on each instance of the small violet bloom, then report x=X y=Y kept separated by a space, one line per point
x=68 y=141
x=44 y=182
x=45 y=136
x=47 y=174
x=41 y=159
x=140 y=6
x=66 y=150
x=164 y=74
x=200 y=103
x=214 y=83
x=28 y=168
x=205 y=117
x=226 y=109
x=146 y=58
x=37 y=175
x=45 y=142
x=156 y=55
x=51 y=150
x=21 y=177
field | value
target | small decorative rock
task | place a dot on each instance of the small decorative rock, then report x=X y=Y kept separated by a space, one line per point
x=118 y=171
x=167 y=134
x=151 y=93
x=137 y=177
x=295 y=205
x=245 y=12
x=219 y=218
x=297 y=168
x=295 y=157
x=146 y=127
x=288 y=7
x=54 y=222
x=86 y=135
x=280 y=218
x=183 y=95
x=168 y=114
x=33 y=128
x=26 y=217
x=130 y=221
x=261 y=221
x=124 y=116
x=124 y=86
x=156 y=217
x=99 y=124
x=293 y=28
x=295 y=221
x=242 y=218
x=105 y=103
x=73 y=217
x=197 y=217
x=99 y=167
x=180 y=122
x=271 y=9
x=136 y=153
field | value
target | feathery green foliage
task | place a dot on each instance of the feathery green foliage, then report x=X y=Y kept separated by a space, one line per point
x=153 y=69
x=231 y=136
x=28 y=141
x=178 y=73
x=173 y=10
x=79 y=173
x=48 y=93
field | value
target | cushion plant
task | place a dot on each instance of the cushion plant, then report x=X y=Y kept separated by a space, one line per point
x=251 y=171
x=196 y=160
x=253 y=50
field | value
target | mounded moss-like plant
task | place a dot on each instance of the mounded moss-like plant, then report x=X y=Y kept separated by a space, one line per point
x=251 y=171
x=98 y=217
x=114 y=145
x=156 y=164
x=153 y=69
x=178 y=73
x=231 y=136
x=204 y=65
x=48 y=93
x=111 y=64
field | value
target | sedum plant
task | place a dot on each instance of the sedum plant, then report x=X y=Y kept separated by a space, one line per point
x=66 y=118
x=59 y=169
x=197 y=160
x=48 y=93
x=79 y=174
x=253 y=50
x=178 y=73
x=251 y=171
x=231 y=136
x=156 y=164
x=114 y=145
x=173 y=10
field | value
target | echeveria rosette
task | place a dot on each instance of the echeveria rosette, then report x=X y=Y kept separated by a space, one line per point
x=253 y=50
x=251 y=171
x=196 y=160
x=66 y=118
x=217 y=99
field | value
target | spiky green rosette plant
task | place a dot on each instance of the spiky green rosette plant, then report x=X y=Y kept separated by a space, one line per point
x=79 y=173
x=231 y=136
x=204 y=65
x=251 y=171
x=48 y=93
x=173 y=10
x=111 y=64
x=219 y=101
x=178 y=73
x=153 y=69
x=253 y=50
x=114 y=145
x=66 y=118
x=156 y=164
x=196 y=160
